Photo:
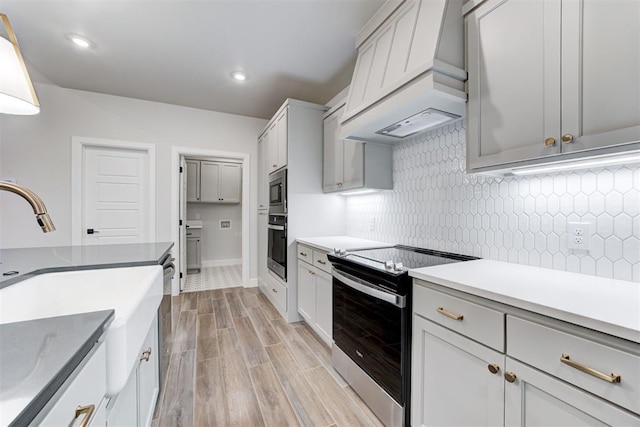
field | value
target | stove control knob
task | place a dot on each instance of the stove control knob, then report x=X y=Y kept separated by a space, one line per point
x=342 y=252
x=388 y=265
x=398 y=266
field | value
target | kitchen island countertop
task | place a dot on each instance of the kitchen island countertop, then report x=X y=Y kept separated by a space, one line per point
x=329 y=243
x=28 y=262
x=37 y=356
x=605 y=305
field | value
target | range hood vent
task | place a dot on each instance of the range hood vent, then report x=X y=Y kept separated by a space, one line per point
x=409 y=75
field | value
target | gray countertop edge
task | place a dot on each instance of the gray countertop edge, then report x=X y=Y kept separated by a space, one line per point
x=76 y=267
x=49 y=390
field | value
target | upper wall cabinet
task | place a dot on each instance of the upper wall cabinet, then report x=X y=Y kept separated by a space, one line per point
x=551 y=80
x=213 y=182
x=349 y=165
x=276 y=139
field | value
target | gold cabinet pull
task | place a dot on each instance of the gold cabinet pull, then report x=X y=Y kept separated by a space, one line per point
x=146 y=355
x=493 y=368
x=549 y=142
x=303 y=254
x=613 y=378
x=275 y=166
x=567 y=138
x=311 y=272
x=444 y=312
x=87 y=411
x=274 y=290
x=510 y=376
x=321 y=262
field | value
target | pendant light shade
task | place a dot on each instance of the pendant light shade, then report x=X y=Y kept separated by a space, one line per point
x=17 y=95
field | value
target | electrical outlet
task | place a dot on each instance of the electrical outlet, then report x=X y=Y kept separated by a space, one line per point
x=225 y=224
x=579 y=235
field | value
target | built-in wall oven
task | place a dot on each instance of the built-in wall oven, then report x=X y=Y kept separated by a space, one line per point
x=278 y=192
x=277 y=245
x=372 y=324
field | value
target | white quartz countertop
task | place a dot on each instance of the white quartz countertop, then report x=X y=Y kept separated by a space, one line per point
x=605 y=305
x=329 y=243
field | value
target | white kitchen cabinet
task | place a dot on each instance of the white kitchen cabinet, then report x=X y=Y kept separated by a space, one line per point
x=535 y=398
x=193 y=180
x=315 y=292
x=549 y=79
x=456 y=381
x=83 y=393
x=277 y=139
x=478 y=362
x=135 y=404
x=213 y=182
x=263 y=174
x=194 y=249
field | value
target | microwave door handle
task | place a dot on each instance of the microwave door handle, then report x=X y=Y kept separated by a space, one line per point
x=276 y=227
x=354 y=283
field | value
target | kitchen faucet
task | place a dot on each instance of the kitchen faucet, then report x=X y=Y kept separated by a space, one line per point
x=36 y=204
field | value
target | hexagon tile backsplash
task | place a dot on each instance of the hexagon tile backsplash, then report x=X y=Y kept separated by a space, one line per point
x=436 y=205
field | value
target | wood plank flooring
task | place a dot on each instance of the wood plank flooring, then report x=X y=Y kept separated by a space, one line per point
x=236 y=362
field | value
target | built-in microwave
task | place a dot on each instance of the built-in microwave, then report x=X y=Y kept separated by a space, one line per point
x=278 y=192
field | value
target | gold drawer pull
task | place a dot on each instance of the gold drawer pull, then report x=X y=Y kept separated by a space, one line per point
x=444 y=312
x=510 y=377
x=146 y=355
x=493 y=368
x=87 y=411
x=274 y=290
x=613 y=378
x=303 y=254
x=321 y=262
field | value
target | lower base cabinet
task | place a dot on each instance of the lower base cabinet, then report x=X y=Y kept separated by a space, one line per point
x=135 y=404
x=315 y=292
x=452 y=383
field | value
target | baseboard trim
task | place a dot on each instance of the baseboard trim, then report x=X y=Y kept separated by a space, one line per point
x=221 y=262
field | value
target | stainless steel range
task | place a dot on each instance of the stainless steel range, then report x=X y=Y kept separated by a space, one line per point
x=372 y=323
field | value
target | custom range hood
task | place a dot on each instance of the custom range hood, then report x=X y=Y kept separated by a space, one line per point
x=409 y=75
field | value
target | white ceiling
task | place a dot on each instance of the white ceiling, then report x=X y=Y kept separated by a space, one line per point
x=183 y=52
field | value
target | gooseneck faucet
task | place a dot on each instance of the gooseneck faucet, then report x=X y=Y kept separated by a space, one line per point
x=36 y=204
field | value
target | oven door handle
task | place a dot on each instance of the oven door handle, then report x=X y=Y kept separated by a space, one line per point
x=365 y=288
x=276 y=227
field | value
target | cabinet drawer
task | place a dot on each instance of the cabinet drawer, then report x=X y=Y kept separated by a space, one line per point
x=321 y=261
x=193 y=233
x=87 y=388
x=544 y=347
x=305 y=253
x=475 y=321
x=278 y=294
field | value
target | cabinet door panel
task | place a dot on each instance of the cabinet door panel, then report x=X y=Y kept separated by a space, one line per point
x=193 y=181
x=272 y=143
x=230 y=182
x=324 y=306
x=451 y=382
x=331 y=165
x=514 y=81
x=537 y=399
x=263 y=174
x=283 y=135
x=600 y=72
x=306 y=291
x=209 y=182
x=353 y=164
x=148 y=377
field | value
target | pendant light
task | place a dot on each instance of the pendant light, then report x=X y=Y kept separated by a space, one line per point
x=17 y=95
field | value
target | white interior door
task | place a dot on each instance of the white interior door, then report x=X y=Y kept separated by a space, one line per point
x=182 y=232
x=116 y=196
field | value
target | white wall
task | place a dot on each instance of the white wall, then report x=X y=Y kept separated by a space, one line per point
x=218 y=244
x=435 y=204
x=36 y=150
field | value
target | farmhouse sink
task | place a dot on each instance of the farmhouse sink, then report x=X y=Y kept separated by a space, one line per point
x=133 y=292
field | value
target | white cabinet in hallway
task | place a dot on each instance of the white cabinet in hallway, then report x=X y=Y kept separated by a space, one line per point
x=213 y=182
x=549 y=78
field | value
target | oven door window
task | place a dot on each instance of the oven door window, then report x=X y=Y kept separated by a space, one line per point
x=369 y=331
x=278 y=246
x=275 y=193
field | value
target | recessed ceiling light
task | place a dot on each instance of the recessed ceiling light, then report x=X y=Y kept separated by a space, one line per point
x=80 y=41
x=239 y=76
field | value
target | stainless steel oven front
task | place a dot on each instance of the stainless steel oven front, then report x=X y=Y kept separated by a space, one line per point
x=277 y=245
x=278 y=192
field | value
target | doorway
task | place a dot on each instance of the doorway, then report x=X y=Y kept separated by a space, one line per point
x=210 y=205
x=113 y=192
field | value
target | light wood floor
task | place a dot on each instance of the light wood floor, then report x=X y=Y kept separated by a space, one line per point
x=236 y=361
